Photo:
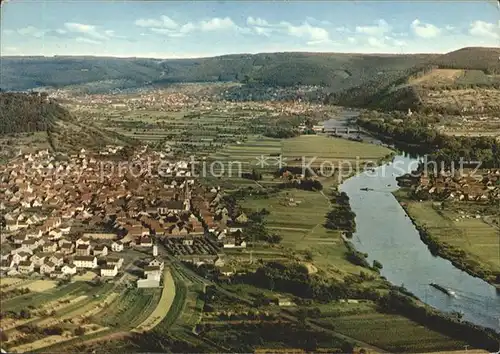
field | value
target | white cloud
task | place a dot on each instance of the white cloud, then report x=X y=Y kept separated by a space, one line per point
x=7 y=31
x=168 y=22
x=164 y=22
x=263 y=31
x=216 y=24
x=378 y=30
x=251 y=21
x=314 y=34
x=87 y=33
x=376 y=42
x=87 y=30
x=187 y=27
x=400 y=43
x=343 y=29
x=425 y=30
x=315 y=22
x=485 y=29
x=31 y=31
x=86 y=40
x=148 y=23
x=167 y=26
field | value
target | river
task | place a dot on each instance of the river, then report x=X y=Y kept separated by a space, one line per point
x=386 y=234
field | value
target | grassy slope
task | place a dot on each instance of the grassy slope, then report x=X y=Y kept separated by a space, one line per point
x=476 y=238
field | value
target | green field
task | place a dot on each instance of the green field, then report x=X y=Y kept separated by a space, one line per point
x=131 y=309
x=262 y=154
x=301 y=225
x=477 y=238
x=331 y=150
x=391 y=332
x=302 y=228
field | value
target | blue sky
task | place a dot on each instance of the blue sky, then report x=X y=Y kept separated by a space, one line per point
x=168 y=29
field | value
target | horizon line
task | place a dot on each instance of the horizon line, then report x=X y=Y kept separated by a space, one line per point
x=174 y=57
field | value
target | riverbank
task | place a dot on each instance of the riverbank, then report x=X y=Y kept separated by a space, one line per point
x=460 y=258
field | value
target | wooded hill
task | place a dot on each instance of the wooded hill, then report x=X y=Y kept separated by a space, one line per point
x=358 y=80
x=445 y=78
x=20 y=112
x=335 y=70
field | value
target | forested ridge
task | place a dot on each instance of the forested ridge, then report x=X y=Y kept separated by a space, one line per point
x=28 y=112
x=335 y=70
x=395 y=91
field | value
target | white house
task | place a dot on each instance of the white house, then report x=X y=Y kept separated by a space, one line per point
x=101 y=250
x=69 y=269
x=157 y=263
x=57 y=259
x=117 y=246
x=115 y=261
x=25 y=267
x=84 y=240
x=55 y=234
x=85 y=262
x=109 y=270
x=47 y=267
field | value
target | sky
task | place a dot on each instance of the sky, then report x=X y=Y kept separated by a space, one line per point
x=187 y=29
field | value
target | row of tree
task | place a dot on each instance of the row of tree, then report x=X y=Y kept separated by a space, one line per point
x=442 y=148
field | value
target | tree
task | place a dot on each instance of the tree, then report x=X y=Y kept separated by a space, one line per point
x=3 y=336
x=79 y=331
x=377 y=264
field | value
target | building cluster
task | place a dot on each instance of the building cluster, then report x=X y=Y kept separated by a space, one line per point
x=57 y=256
x=483 y=188
x=49 y=202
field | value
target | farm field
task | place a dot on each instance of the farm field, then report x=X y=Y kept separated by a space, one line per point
x=463 y=98
x=331 y=150
x=302 y=228
x=35 y=320
x=163 y=306
x=235 y=159
x=263 y=155
x=301 y=224
x=477 y=238
x=391 y=332
x=131 y=309
x=187 y=131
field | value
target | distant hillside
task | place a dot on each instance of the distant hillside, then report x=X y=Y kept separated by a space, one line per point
x=34 y=112
x=335 y=70
x=462 y=80
x=472 y=58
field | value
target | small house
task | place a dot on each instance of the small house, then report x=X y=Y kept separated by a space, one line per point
x=109 y=270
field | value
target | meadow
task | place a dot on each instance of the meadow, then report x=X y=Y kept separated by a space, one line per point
x=477 y=238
